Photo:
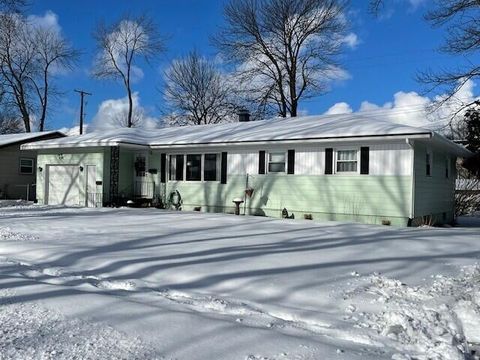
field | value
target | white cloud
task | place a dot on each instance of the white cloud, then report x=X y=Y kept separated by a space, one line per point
x=351 y=40
x=112 y=114
x=411 y=108
x=339 y=108
x=49 y=20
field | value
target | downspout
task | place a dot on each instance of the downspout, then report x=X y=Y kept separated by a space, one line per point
x=412 y=207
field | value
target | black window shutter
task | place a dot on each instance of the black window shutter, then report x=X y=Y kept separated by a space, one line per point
x=329 y=161
x=364 y=160
x=261 y=162
x=223 y=169
x=291 y=162
x=163 y=168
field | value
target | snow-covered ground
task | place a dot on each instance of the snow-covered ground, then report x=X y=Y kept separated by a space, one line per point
x=145 y=283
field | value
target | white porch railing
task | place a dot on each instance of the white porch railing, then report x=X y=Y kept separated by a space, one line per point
x=144 y=189
x=94 y=199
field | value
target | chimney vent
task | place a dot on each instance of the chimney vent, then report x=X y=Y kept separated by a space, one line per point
x=243 y=115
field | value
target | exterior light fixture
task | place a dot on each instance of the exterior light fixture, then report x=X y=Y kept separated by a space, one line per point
x=40 y=169
x=81 y=168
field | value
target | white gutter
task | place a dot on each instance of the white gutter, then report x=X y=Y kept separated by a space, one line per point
x=294 y=141
x=39 y=146
x=412 y=190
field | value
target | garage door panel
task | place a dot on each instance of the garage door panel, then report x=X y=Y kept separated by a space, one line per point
x=63 y=185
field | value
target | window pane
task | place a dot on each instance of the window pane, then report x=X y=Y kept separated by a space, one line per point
x=171 y=172
x=194 y=164
x=347 y=155
x=428 y=161
x=26 y=166
x=350 y=166
x=276 y=167
x=277 y=157
x=176 y=167
x=179 y=167
x=210 y=171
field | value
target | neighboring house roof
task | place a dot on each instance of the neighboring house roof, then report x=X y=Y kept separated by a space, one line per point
x=305 y=128
x=11 y=139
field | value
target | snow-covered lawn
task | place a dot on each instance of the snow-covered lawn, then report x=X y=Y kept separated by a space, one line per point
x=145 y=283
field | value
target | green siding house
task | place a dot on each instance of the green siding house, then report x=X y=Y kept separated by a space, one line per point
x=339 y=167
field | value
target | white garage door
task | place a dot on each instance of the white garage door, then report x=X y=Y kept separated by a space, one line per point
x=63 y=185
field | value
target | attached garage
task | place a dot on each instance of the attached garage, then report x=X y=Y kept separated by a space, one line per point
x=63 y=185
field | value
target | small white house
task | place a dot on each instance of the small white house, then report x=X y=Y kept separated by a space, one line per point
x=339 y=167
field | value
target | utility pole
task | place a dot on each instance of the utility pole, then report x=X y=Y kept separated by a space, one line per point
x=82 y=95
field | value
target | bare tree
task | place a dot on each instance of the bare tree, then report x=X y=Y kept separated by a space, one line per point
x=12 y=6
x=196 y=92
x=121 y=46
x=53 y=54
x=17 y=64
x=29 y=58
x=9 y=124
x=461 y=18
x=285 y=49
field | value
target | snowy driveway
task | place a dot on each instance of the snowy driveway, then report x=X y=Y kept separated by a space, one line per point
x=215 y=286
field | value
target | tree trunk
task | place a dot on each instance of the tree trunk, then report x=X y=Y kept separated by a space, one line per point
x=130 y=107
x=294 y=108
x=26 y=120
x=44 y=102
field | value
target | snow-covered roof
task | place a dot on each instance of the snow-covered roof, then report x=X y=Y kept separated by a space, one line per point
x=9 y=139
x=290 y=129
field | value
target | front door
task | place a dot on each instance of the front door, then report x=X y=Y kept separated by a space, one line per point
x=91 y=186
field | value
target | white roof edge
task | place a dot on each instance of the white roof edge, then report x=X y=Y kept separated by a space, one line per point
x=30 y=136
x=295 y=141
x=49 y=145
x=457 y=149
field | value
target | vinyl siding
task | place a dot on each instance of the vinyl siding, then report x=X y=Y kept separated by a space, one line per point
x=13 y=185
x=435 y=194
x=385 y=159
x=81 y=157
x=360 y=198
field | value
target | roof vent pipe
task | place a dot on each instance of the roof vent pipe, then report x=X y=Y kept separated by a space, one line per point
x=243 y=115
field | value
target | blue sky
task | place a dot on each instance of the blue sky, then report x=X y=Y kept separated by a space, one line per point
x=388 y=53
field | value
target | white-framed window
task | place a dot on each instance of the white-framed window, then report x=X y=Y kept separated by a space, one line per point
x=277 y=162
x=26 y=166
x=346 y=161
x=428 y=163
x=175 y=172
x=194 y=167
x=210 y=167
